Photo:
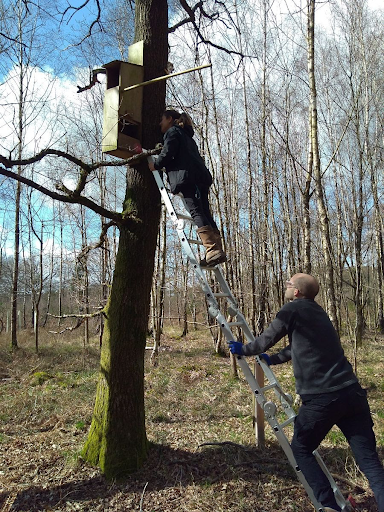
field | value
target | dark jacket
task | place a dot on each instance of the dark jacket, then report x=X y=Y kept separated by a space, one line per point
x=319 y=363
x=181 y=160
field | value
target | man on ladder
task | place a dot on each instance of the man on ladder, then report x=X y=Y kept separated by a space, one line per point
x=329 y=390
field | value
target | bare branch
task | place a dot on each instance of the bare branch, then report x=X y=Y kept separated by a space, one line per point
x=115 y=216
x=74 y=196
x=80 y=315
x=191 y=19
x=8 y=163
x=352 y=113
x=92 y=79
x=221 y=443
x=94 y=22
x=84 y=252
x=11 y=39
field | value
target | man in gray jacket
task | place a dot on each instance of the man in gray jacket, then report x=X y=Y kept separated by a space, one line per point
x=329 y=390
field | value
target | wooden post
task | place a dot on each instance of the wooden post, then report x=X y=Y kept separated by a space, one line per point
x=259 y=413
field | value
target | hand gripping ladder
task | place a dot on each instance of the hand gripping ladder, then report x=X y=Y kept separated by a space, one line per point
x=269 y=407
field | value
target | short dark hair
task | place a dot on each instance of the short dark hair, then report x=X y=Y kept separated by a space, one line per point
x=172 y=113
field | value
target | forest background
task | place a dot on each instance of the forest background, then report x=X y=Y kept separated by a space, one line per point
x=251 y=116
x=251 y=112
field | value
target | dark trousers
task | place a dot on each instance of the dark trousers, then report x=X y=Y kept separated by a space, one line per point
x=348 y=409
x=196 y=201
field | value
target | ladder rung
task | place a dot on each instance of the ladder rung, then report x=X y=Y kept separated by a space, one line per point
x=235 y=324
x=221 y=295
x=194 y=241
x=269 y=386
x=184 y=217
x=287 y=422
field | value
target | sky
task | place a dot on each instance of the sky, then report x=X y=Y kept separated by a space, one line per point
x=53 y=89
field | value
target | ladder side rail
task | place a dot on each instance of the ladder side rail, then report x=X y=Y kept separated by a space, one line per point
x=225 y=287
x=277 y=430
x=253 y=384
x=250 y=337
x=271 y=377
x=209 y=295
x=284 y=443
x=180 y=228
x=341 y=501
x=283 y=397
x=165 y=196
x=233 y=306
x=256 y=389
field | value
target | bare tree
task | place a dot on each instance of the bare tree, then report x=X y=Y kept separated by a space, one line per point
x=317 y=172
x=159 y=288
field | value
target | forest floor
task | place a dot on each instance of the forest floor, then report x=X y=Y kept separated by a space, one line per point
x=199 y=422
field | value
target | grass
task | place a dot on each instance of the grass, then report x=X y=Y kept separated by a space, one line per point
x=199 y=423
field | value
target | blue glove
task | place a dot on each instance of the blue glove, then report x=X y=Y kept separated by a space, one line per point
x=265 y=358
x=236 y=347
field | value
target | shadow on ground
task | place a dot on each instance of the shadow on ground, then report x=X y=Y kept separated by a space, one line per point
x=167 y=468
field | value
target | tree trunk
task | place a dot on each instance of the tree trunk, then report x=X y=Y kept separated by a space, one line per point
x=251 y=241
x=60 y=292
x=314 y=141
x=51 y=270
x=158 y=289
x=84 y=283
x=307 y=212
x=185 y=270
x=263 y=288
x=103 y=256
x=39 y=290
x=117 y=439
x=15 y=274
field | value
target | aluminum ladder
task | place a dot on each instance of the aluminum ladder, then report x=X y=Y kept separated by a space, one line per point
x=269 y=407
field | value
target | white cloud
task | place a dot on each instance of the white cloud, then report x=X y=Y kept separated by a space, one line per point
x=49 y=102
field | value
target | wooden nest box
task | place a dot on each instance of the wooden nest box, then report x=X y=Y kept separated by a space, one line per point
x=123 y=110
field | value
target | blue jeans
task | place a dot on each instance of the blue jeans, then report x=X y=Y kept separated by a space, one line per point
x=348 y=409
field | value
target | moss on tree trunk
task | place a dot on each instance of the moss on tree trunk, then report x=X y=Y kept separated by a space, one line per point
x=117 y=440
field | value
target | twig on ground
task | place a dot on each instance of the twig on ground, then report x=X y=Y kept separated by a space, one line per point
x=353 y=485
x=284 y=489
x=142 y=497
x=262 y=461
x=222 y=443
